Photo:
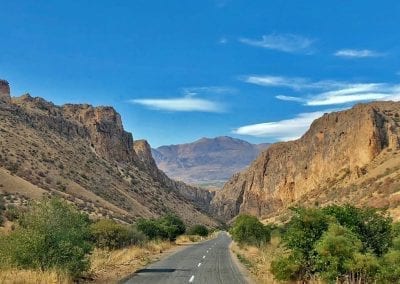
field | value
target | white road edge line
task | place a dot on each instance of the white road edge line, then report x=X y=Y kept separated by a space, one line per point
x=191 y=279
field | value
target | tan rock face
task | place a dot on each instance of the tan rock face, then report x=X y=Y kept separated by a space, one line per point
x=336 y=145
x=106 y=131
x=4 y=91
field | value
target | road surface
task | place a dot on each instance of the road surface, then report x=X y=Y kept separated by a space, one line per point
x=207 y=262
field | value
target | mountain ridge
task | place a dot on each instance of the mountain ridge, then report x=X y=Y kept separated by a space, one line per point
x=206 y=160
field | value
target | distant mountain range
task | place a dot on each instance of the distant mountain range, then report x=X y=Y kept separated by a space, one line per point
x=208 y=161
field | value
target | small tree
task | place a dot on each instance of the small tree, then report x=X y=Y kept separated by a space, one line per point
x=167 y=227
x=199 y=230
x=336 y=249
x=172 y=226
x=249 y=230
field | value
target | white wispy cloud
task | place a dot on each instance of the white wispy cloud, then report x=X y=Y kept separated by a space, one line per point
x=295 y=83
x=283 y=42
x=282 y=130
x=357 y=53
x=187 y=103
x=327 y=92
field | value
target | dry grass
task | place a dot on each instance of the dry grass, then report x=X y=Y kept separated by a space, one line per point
x=18 y=276
x=111 y=266
x=106 y=266
x=258 y=260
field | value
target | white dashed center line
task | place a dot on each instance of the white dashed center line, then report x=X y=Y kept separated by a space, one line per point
x=191 y=279
x=198 y=265
x=204 y=256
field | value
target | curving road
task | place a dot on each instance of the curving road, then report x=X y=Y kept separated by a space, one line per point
x=206 y=262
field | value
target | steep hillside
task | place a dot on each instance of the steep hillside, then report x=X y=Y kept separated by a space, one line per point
x=83 y=154
x=206 y=161
x=348 y=156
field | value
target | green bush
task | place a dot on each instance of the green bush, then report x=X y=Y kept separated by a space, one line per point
x=373 y=228
x=390 y=268
x=286 y=268
x=167 y=227
x=51 y=235
x=199 y=230
x=106 y=233
x=339 y=243
x=248 y=230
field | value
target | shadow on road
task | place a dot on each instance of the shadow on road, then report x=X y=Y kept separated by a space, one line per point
x=160 y=270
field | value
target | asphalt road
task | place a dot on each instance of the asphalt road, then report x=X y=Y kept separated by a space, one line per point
x=207 y=262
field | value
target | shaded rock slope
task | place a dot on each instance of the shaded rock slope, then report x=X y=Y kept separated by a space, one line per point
x=83 y=154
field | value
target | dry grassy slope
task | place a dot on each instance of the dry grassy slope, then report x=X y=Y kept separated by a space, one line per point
x=349 y=156
x=82 y=154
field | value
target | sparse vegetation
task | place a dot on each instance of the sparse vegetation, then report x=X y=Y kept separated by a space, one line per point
x=53 y=241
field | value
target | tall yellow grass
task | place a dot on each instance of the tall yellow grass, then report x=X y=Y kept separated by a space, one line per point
x=258 y=260
x=19 y=276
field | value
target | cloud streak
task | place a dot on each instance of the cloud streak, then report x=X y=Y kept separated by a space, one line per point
x=187 y=103
x=282 y=42
x=358 y=53
x=328 y=92
x=282 y=130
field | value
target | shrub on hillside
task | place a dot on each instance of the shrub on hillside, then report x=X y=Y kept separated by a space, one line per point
x=249 y=230
x=106 y=233
x=199 y=230
x=51 y=234
x=2 y=208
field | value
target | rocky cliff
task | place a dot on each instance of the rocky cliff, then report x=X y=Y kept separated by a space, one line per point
x=82 y=153
x=335 y=152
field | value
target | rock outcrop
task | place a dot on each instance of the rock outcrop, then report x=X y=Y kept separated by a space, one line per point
x=336 y=148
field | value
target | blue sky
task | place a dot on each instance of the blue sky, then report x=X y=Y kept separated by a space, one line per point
x=181 y=70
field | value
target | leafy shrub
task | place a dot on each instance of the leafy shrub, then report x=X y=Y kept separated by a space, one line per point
x=106 y=233
x=11 y=213
x=341 y=244
x=167 y=227
x=51 y=235
x=199 y=230
x=248 y=230
x=372 y=228
x=151 y=228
